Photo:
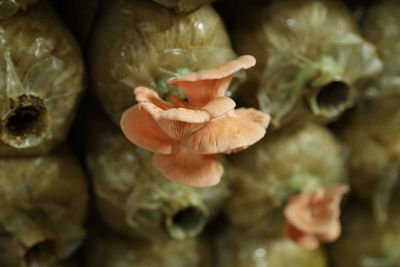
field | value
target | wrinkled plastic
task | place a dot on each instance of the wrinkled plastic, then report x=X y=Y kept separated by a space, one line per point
x=10 y=7
x=41 y=77
x=311 y=59
x=42 y=208
x=373 y=135
x=108 y=250
x=381 y=26
x=183 y=6
x=234 y=249
x=366 y=243
x=135 y=199
x=139 y=43
x=267 y=174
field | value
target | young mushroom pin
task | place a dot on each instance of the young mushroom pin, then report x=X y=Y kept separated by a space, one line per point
x=185 y=136
x=311 y=219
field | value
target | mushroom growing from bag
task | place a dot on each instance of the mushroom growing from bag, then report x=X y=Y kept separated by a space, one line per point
x=284 y=164
x=312 y=219
x=43 y=203
x=312 y=61
x=139 y=43
x=134 y=198
x=42 y=78
x=185 y=136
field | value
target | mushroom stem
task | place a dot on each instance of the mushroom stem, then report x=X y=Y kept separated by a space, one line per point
x=26 y=122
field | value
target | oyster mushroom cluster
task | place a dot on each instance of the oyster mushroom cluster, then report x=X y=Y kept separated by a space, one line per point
x=323 y=225
x=185 y=135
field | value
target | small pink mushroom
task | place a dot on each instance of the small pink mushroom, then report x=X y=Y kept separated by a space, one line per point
x=312 y=219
